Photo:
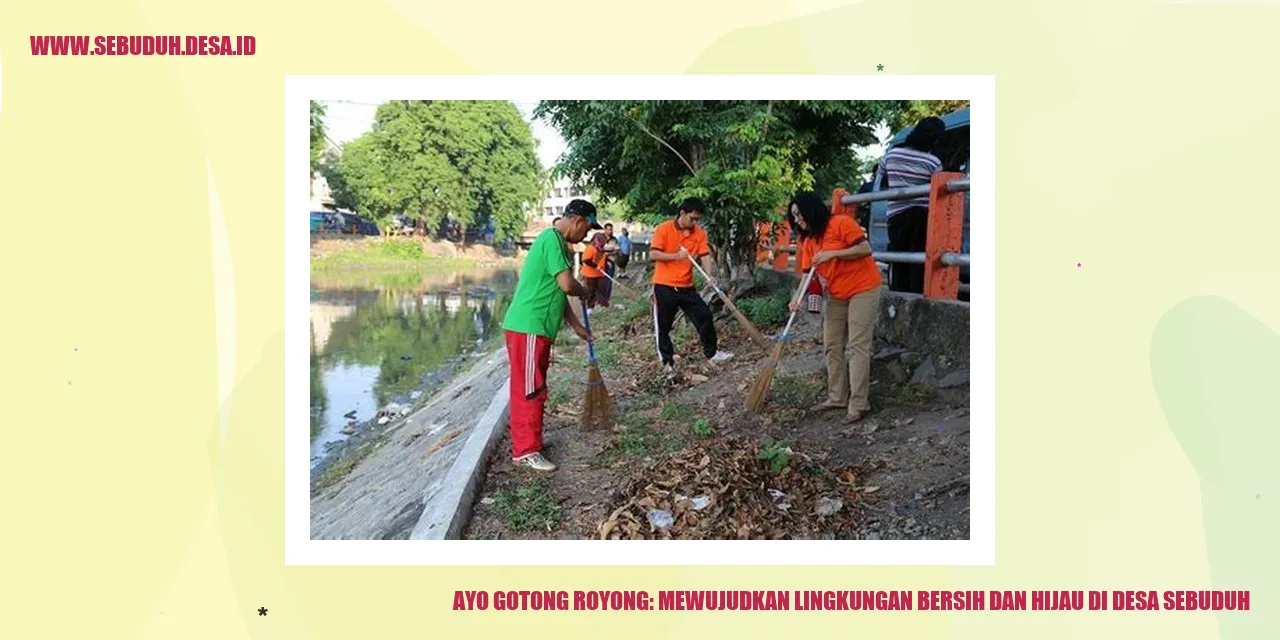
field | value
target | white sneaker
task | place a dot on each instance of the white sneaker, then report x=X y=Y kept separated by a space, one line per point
x=669 y=370
x=721 y=357
x=535 y=461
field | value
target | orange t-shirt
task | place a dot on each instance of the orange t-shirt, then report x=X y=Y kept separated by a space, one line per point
x=668 y=238
x=591 y=255
x=842 y=278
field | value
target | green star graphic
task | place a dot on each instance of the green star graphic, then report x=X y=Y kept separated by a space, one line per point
x=879 y=67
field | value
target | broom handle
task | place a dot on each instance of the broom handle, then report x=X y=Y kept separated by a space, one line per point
x=804 y=285
x=586 y=322
x=615 y=281
x=709 y=280
x=751 y=328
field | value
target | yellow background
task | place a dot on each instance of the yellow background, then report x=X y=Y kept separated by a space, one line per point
x=1135 y=423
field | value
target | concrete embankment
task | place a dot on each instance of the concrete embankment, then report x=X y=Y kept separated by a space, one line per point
x=407 y=471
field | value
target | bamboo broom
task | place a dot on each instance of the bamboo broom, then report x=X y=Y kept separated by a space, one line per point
x=760 y=388
x=750 y=328
x=597 y=412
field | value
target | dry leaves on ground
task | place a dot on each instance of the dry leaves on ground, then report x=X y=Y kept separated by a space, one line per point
x=722 y=491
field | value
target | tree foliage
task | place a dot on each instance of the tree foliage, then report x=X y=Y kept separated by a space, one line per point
x=473 y=162
x=910 y=112
x=744 y=158
x=317 y=133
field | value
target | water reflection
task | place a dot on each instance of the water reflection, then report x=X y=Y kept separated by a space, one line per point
x=372 y=346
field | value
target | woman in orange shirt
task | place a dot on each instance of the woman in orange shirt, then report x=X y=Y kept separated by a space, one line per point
x=593 y=259
x=837 y=246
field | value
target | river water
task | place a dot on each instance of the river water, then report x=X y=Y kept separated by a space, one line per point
x=393 y=339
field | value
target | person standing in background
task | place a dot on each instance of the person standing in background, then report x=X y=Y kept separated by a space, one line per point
x=864 y=208
x=593 y=262
x=610 y=261
x=624 y=253
x=910 y=164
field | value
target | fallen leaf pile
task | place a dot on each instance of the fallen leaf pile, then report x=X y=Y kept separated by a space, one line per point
x=722 y=491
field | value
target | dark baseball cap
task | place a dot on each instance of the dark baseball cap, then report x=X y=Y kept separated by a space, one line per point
x=580 y=207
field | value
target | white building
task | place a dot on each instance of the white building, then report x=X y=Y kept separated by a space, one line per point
x=561 y=193
x=321 y=196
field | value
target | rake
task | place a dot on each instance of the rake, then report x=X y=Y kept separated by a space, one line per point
x=750 y=328
x=760 y=388
x=597 y=412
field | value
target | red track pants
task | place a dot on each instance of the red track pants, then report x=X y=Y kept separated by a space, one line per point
x=529 y=356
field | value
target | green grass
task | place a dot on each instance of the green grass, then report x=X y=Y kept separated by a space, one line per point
x=796 y=391
x=636 y=308
x=682 y=333
x=678 y=412
x=528 y=507
x=702 y=428
x=336 y=471
x=642 y=400
x=385 y=255
x=634 y=440
x=341 y=468
x=557 y=395
x=638 y=438
x=767 y=311
x=607 y=354
x=912 y=394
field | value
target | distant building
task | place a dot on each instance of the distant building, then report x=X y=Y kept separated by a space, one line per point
x=321 y=195
x=561 y=193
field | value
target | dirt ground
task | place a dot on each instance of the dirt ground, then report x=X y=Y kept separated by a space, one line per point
x=689 y=449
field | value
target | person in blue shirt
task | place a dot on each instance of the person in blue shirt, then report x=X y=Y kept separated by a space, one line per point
x=624 y=253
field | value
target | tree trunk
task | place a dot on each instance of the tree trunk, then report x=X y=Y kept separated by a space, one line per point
x=742 y=270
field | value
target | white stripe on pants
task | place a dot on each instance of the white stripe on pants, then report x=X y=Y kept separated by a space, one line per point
x=530 y=364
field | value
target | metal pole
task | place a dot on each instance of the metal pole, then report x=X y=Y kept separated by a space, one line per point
x=902 y=257
x=902 y=193
x=955 y=259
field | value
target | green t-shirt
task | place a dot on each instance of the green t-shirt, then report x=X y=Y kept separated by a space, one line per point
x=538 y=305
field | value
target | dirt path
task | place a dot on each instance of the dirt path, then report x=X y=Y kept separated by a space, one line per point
x=384 y=479
x=901 y=474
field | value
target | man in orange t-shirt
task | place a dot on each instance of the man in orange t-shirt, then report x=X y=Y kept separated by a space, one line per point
x=674 y=245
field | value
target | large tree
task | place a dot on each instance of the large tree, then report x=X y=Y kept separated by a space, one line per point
x=317 y=134
x=472 y=162
x=744 y=158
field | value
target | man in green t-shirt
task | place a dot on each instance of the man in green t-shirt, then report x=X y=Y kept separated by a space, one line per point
x=537 y=310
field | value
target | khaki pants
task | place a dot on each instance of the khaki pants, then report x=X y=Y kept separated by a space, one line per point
x=850 y=322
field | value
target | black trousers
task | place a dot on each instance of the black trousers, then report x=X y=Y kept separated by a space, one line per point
x=908 y=231
x=623 y=259
x=670 y=300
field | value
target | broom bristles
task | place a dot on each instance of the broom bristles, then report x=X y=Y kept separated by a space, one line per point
x=760 y=388
x=755 y=399
x=598 y=410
